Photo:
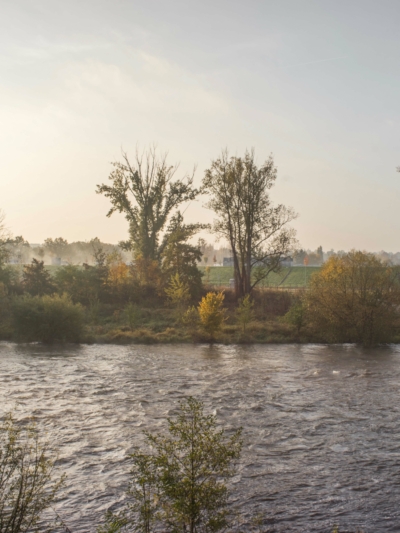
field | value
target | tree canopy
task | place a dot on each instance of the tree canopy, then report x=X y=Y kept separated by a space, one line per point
x=147 y=194
x=179 y=256
x=256 y=230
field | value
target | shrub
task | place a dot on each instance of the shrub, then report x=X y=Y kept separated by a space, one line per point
x=178 y=292
x=245 y=312
x=27 y=484
x=212 y=313
x=355 y=298
x=190 y=319
x=132 y=315
x=47 y=319
x=296 y=315
x=180 y=485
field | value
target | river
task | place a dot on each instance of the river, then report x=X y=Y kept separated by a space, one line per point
x=321 y=423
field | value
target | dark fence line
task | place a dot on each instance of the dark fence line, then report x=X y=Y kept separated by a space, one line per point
x=286 y=287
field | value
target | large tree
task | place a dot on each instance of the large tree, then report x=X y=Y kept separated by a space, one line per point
x=146 y=193
x=256 y=230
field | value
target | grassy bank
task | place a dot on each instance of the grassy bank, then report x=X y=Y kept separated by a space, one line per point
x=164 y=324
x=145 y=322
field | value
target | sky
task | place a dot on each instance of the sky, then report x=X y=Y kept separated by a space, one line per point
x=314 y=82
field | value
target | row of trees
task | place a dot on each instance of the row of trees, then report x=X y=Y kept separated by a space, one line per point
x=257 y=231
x=58 y=251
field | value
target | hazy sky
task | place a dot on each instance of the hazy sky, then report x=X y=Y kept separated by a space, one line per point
x=315 y=82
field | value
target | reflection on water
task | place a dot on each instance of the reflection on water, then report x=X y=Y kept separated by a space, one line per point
x=321 y=424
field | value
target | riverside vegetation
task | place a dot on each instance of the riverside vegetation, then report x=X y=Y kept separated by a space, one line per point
x=354 y=298
x=160 y=295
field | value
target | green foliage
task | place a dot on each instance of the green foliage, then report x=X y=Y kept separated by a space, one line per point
x=146 y=194
x=245 y=312
x=114 y=523
x=132 y=315
x=144 y=491
x=27 y=484
x=84 y=284
x=10 y=279
x=181 y=484
x=212 y=313
x=36 y=280
x=93 y=310
x=47 y=319
x=191 y=319
x=296 y=315
x=178 y=292
x=179 y=256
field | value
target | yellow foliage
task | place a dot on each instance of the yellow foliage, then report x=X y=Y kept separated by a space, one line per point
x=354 y=298
x=178 y=291
x=146 y=272
x=211 y=312
x=118 y=273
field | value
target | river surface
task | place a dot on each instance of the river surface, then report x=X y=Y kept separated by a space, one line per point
x=321 y=424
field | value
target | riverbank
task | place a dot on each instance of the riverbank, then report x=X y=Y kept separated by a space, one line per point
x=272 y=332
x=56 y=318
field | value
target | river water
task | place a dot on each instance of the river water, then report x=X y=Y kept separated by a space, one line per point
x=321 y=424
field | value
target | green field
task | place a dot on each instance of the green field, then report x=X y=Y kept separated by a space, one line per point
x=295 y=277
x=286 y=278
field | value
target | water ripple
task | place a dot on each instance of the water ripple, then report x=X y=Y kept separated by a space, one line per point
x=321 y=424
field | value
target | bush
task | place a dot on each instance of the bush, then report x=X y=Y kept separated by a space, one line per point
x=47 y=319
x=132 y=315
x=355 y=298
x=27 y=484
x=245 y=312
x=212 y=313
x=181 y=484
x=296 y=315
x=190 y=319
x=178 y=292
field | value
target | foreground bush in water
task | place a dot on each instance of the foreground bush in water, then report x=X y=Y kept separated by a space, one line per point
x=180 y=485
x=47 y=319
x=27 y=487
